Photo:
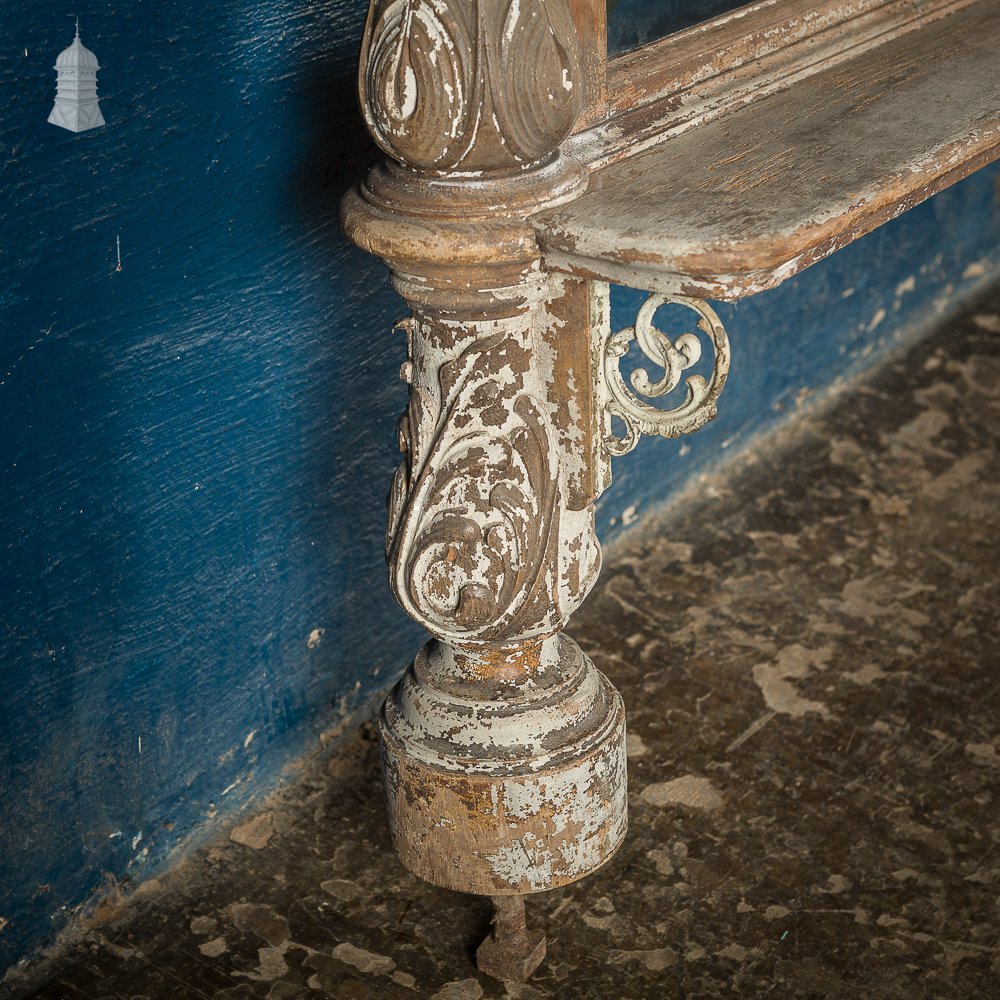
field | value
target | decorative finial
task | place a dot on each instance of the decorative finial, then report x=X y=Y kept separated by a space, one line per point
x=77 y=16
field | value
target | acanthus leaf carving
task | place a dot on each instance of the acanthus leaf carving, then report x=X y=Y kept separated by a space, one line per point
x=475 y=505
x=534 y=77
x=467 y=85
x=416 y=80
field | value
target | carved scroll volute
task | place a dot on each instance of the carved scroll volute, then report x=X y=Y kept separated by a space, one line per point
x=468 y=85
x=480 y=545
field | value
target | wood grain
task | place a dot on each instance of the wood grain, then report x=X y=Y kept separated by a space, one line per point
x=591 y=20
x=742 y=202
x=752 y=36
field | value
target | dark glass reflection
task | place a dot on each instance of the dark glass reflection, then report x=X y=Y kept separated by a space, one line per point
x=632 y=23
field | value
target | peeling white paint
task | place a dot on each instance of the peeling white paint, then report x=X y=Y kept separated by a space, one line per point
x=513 y=14
x=557 y=763
x=409 y=102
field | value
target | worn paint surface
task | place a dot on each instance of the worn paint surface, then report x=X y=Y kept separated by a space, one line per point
x=839 y=854
x=503 y=747
x=633 y=402
x=505 y=788
x=192 y=471
x=756 y=49
x=191 y=480
x=722 y=198
x=452 y=86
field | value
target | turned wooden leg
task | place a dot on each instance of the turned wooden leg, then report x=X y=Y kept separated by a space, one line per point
x=504 y=786
x=503 y=746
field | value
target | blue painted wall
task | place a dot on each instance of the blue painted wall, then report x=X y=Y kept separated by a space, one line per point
x=196 y=448
x=632 y=23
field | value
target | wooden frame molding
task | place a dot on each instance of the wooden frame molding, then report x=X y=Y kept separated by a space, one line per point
x=524 y=172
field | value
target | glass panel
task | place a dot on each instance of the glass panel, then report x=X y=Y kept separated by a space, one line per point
x=632 y=23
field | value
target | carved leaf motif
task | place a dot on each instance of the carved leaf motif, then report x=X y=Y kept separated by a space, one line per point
x=474 y=524
x=470 y=84
x=539 y=34
x=416 y=78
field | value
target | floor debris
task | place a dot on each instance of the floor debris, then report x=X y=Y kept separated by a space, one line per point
x=812 y=675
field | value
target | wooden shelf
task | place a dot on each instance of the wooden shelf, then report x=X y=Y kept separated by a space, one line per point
x=738 y=201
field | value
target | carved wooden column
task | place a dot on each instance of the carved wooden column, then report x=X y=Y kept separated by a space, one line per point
x=503 y=746
x=525 y=171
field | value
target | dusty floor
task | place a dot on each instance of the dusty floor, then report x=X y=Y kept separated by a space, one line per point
x=810 y=654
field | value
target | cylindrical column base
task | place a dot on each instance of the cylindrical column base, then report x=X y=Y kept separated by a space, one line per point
x=498 y=788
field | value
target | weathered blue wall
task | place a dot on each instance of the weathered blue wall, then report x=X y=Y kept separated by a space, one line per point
x=196 y=448
x=632 y=23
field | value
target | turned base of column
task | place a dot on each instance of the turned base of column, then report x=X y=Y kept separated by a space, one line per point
x=504 y=772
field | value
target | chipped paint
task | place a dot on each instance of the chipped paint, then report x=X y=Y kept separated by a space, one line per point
x=807 y=199
x=417 y=129
x=776 y=680
x=503 y=747
x=493 y=797
x=691 y=790
x=627 y=401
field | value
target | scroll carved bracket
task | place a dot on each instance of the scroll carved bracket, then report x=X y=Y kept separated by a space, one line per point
x=625 y=399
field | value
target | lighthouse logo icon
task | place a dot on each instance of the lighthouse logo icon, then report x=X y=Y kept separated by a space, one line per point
x=76 y=106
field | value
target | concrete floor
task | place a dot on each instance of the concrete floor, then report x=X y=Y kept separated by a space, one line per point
x=810 y=654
